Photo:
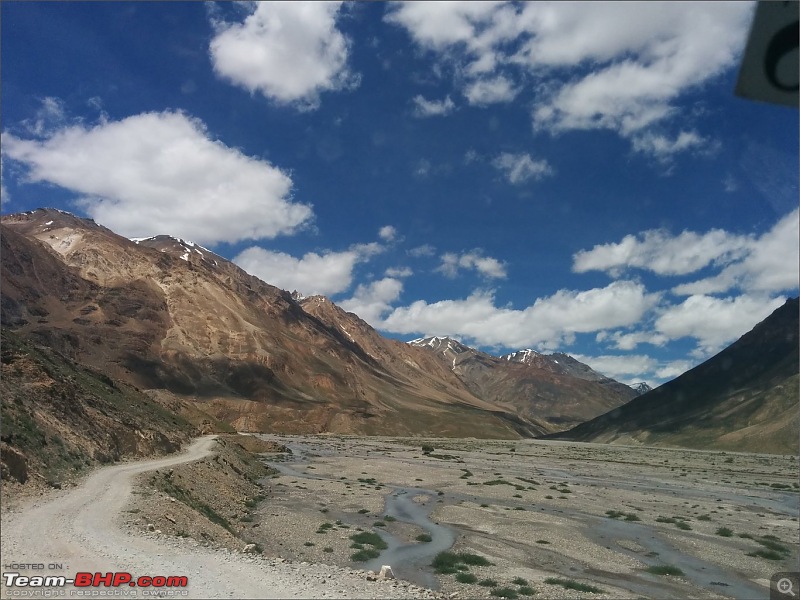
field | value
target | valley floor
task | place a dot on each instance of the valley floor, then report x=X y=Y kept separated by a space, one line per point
x=614 y=518
x=519 y=518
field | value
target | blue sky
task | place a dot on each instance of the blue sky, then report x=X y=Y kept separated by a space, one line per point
x=563 y=177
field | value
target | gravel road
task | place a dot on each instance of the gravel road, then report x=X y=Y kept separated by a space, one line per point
x=78 y=528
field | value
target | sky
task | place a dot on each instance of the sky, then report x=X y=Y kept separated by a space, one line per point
x=573 y=177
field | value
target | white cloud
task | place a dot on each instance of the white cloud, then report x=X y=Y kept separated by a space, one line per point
x=49 y=117
x=635 y=368
x=485 y=265
x=490 y=91
x=399 y=272
x=629 y=341
x=645 y=55
x=433 y=108
x=373 y=300
x=769 y=265
x=157 y=173
x=659 y=251
x=423 y=250
x=663 y=149
x=287 y=51
x=327 y=274
x=715 y=322
x=619 y=66
x=549 y=322
x=519 y=168
x=387 y=233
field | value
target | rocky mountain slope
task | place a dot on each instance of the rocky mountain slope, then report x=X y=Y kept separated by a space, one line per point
x=167 y=315
x=744 y=398
x=556 y=390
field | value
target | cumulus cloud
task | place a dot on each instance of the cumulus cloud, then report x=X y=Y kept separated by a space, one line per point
x=328 y=273
x=373 y=300
x=519 y=168
x=156 y=173
x=490 y=91
x=50 y=116
x=630 y=340
x=548 y=322
x=399 y=272
x=288 y=51
x=485 y=265
x=663 y=149
x=423 y=250
x=715 y=322
x=635 y=368
x=621 y=66
x=659 y=251
x=770 y=264
x=387 y=233
x=433 y=108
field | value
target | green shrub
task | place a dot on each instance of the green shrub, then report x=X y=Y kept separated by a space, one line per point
x=488 y=583
x=570 y=584
x=526 y=590
x=519 y=581
x=466 y=578
x=504 y=592
x=725 y=532
x=427 y=448
x=424 y=537
x=367 y=537
x=364 y=555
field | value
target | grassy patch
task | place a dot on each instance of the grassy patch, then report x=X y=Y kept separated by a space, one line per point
x=466 y=578
x=488 y=583
x=364 y=555
x=504 y=592
x=451 y=562
x=526 y=590
x=372 y=539
x=519 y=581
x=571 y=584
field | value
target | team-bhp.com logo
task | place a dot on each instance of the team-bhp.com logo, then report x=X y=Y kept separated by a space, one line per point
x=95 y=580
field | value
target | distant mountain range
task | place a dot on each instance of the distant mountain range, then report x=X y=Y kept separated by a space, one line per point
x=745 y=398
x=168 y=315
x=167 y=337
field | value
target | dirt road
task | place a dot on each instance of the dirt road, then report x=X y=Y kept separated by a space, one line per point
x=78 y=530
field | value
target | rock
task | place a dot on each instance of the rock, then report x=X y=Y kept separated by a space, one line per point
x=157 y=532
x=250 y=549
x=170 y=519
x=386 y=572
x=151 y=527
x=13 y=463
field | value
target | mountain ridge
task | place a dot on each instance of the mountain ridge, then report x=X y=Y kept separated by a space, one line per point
x=165 y=313
x=744 y=398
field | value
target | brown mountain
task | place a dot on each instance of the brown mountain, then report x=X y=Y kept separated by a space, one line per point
x=556 y=391
x=744 y=398
x=166 y=314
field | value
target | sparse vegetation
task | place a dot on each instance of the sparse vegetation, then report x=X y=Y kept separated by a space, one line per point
x=504 y=592
x=424 y=537
x=466 y=578
x=571 y=584
x=725 y=532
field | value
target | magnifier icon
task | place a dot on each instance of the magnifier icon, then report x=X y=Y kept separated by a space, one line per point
x=785 y=586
